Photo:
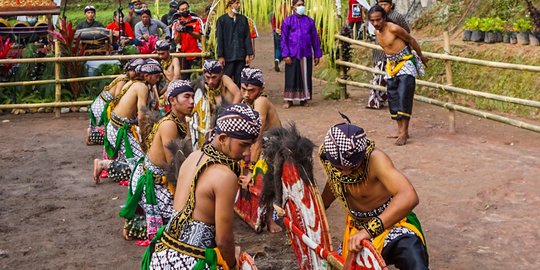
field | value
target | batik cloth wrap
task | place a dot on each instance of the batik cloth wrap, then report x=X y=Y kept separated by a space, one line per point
x=404 y=62
x=298 y=82
x=149 y=189
x=355 y=220
x=252 y=76
x=204 y=113
x=122 y=141
x=346 y=144
x=238 y=121
x=98 y=111
x=212 y=66
x=171 y=248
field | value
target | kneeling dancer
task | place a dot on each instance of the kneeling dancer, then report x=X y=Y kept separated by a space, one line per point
x=378 y=198
x=200 y=235
x=149 y=187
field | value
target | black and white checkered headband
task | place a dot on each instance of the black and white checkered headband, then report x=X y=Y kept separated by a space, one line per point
x=178 y=87
x=162 y=45
x=212 y=66
x=252 y=76
x=238 y=121
x=132 y=64
x=150 y=66
x=345 y=144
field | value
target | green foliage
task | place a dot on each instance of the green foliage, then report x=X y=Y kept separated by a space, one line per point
x=130 y=49
x=498 y=24
x=523 y=25
x=486 y=24
x=472 y=23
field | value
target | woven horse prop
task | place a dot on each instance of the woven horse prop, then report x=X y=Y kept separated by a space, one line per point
x=289 y=185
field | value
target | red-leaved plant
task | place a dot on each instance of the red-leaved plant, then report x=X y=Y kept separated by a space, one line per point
x=70 y=46
x=148 y=46
x=5 y=47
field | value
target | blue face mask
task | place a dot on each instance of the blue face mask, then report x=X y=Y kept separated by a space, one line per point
x=139 y=10
x=32 y=20
x=235 y=11
x=300 y=10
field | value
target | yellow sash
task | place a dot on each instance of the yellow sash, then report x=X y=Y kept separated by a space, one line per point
x=392 y=71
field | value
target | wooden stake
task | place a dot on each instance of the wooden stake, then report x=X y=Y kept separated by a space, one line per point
x=58 y=87
x=448 y=71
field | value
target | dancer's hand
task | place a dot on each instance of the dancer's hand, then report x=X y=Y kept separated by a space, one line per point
x=244 y=180
x=355 y=241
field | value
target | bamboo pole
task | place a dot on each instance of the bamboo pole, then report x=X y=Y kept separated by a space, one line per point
x=525 y=102
x=357 y=43
x=44 y=105
x=58 y=86
x=93 y=58
x=77 y=79
x=459 y=108
x=448 y=71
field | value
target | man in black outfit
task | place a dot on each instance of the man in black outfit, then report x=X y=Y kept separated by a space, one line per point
x=234 y=47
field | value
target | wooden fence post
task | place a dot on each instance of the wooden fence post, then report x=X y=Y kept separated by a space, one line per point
x=342 y=74
x=448 y=71
x=58 y=85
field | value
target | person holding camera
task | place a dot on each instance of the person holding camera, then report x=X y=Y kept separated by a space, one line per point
x=134 y=13
x=187 y=32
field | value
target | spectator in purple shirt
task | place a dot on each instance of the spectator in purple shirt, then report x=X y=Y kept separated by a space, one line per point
x=300 y=44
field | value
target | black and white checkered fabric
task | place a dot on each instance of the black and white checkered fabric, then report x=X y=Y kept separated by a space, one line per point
x=132 y=64
x=212 y=66
x=178 y=87
x=345 y=144
x=239 y=121
x=150 y=66
x=252 y=76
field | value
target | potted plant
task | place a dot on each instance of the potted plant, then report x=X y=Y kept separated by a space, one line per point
x=508 y=33
x=498 y=28
x=467 y=28
x=522 y=27
x=486 y=26
x=477 y=35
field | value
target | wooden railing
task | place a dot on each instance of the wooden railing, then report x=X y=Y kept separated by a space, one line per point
x=448 y=88
x=57 y=59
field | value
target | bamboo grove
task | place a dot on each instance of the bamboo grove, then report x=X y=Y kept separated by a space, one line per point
x=323 y=12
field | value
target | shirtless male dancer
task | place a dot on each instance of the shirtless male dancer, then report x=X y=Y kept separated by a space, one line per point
x=150 y=171
x=213 y=91
x=98 y=110
x=252 y=87
x=205 y=193
x=169 y=64
x=402 y=67
x=122 y=142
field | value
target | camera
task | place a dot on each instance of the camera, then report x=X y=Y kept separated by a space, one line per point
x=131 y=6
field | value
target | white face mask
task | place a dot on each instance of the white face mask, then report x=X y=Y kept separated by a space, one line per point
x=235 y=11
x=300 y=10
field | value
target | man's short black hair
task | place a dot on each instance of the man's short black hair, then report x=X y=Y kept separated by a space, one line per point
x=183 y=3
x=147 y=12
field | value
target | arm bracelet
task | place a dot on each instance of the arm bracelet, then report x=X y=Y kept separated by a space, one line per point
x=374 y=227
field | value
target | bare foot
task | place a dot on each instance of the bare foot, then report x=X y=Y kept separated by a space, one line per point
x=273 y=227
x=401 y=140
x=98 y=167
x=392 y=136
x=304 y=103
x=88 y=137
x=287 y=105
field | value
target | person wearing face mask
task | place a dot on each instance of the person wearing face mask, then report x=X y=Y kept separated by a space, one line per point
x=187 y=32
x=300 y=48
x=134 y=14
x=234 y=47
x=169 y=17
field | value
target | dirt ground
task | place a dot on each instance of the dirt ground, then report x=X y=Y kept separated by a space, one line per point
x=479 y=189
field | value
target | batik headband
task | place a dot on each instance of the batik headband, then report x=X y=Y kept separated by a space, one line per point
x=162 y=45
x=212 y=66
x=132 y=64
x=150 y=66
x=239 y=121
x=178 y=87
x=252 y=76
x=345 y=144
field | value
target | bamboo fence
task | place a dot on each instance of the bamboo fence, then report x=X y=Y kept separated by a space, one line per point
x=448 y=88
x=57 y=59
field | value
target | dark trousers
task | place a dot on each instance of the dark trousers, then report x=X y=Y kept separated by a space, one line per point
x=400 y=91
x=406 y=253
x=233 y=69
x=277 y=46
x=186 y=64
